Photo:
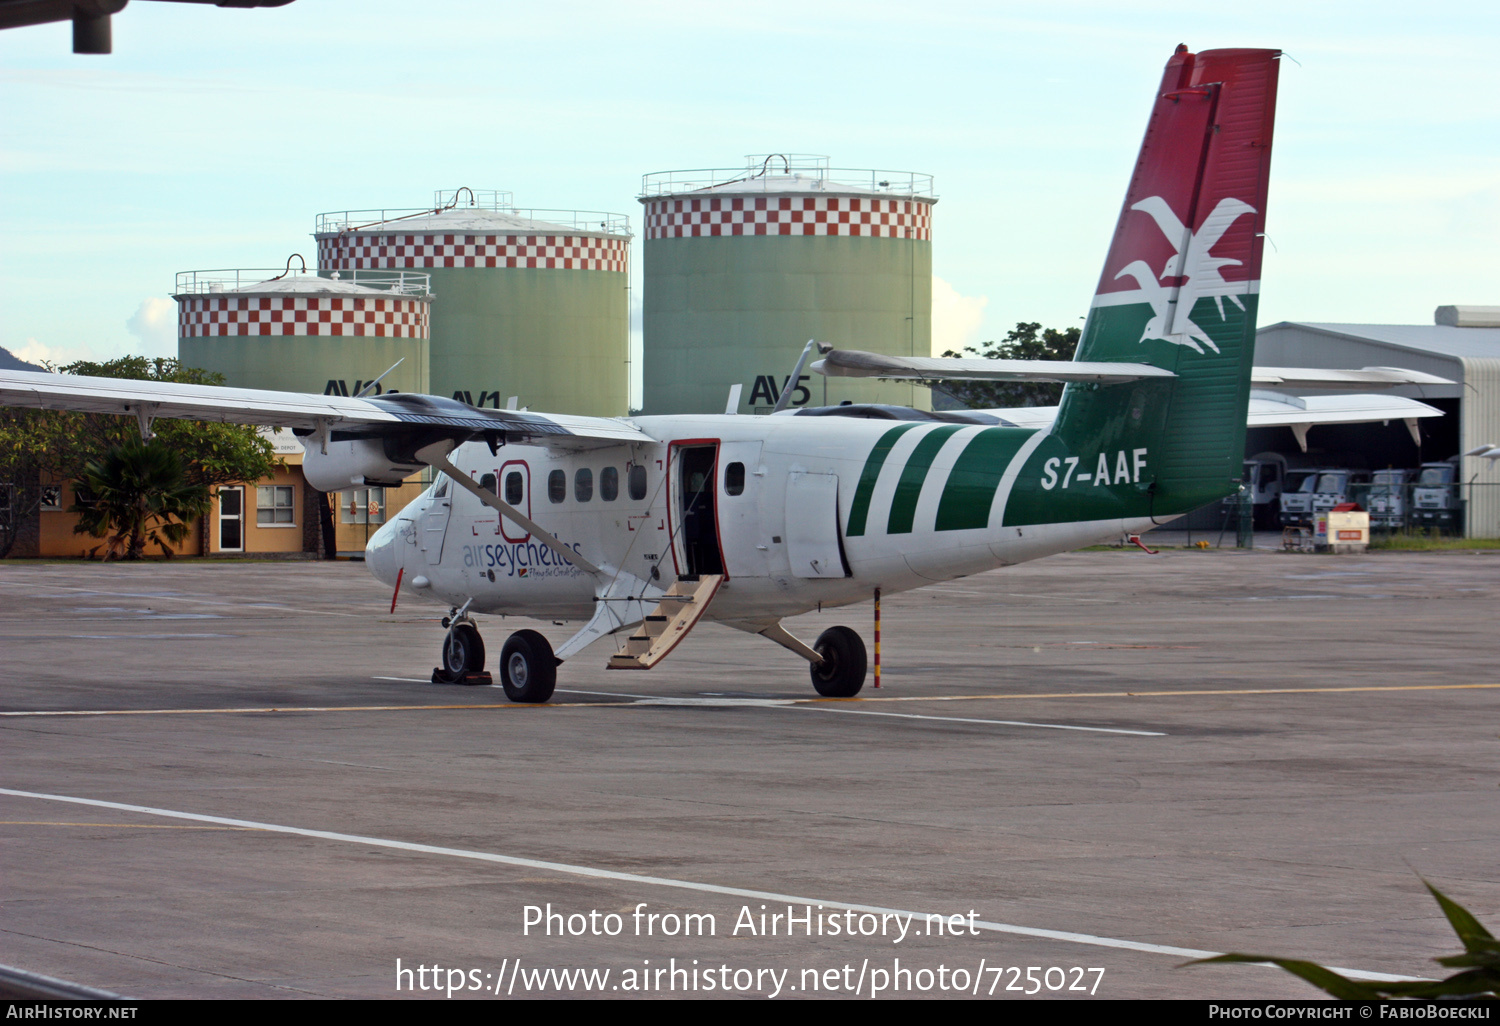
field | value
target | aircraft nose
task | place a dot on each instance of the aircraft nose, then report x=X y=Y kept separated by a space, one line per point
x=381 y=554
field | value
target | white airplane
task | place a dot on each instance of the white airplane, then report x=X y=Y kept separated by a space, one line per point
x=651 y=525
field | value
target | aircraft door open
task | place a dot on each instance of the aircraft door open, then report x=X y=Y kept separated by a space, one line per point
x=744 y=530
x=695 y=507
x=812 y=525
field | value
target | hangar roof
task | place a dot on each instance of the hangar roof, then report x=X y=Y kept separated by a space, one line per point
x=1437 y=339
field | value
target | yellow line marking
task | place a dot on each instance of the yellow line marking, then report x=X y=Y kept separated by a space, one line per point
x=127 y=826
x=1163 y=694
x=667 y=701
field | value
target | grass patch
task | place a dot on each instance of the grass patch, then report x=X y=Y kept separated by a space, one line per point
x=1422 y=541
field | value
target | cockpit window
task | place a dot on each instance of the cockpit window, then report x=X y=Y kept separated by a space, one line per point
x=440 y=489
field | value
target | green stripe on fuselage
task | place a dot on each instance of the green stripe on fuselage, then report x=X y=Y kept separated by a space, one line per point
x=909 y=488
x=860 y=511
x=970 y=492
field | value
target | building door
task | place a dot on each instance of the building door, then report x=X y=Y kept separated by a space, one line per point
x=232 y=519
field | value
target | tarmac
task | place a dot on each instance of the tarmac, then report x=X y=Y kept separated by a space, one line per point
x=233 y=779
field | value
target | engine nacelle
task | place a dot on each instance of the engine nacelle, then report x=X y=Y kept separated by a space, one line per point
x=354 y=463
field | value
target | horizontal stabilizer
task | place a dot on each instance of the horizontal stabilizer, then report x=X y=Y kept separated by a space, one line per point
x=1363 y=379
x=853 y=363
x=1272 y=409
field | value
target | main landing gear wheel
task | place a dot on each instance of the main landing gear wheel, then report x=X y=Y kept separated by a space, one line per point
x=528 y=669
x=463 y=651
x=842 y=672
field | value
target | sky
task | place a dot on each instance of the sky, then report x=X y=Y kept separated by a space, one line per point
x=212 y=137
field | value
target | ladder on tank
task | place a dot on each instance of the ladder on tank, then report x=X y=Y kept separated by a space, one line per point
x=678 y=611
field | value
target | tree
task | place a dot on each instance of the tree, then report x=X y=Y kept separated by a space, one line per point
x=1027 y=341
x=46 y=445
x=140 y=491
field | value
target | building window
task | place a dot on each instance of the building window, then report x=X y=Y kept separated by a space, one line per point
x=274 y=504
x=609 y=484
x=583 y=484
x=363 y=505
x=557 y=486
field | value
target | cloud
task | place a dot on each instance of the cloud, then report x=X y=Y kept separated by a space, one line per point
x=956 y=318
x=155 y=324
x=37 y=352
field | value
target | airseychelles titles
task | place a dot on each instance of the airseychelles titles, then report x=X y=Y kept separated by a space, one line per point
x=796 y=921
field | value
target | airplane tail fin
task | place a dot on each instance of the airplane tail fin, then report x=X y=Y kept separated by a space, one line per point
x=1181 y=281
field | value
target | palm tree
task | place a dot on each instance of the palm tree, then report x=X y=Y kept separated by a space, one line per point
x=137 y=493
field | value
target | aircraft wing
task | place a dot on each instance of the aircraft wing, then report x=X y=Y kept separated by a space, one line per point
x=853 y=363
x=303 y=412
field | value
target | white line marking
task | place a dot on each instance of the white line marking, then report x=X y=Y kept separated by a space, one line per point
x=960 y=719
x=807 y=703
x=405 y=680
x=651 y=881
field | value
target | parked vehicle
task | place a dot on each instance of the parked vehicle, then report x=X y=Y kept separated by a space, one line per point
x=1435 y=497
x=1316 y=492
x=1264 y=475
x=1387 y=500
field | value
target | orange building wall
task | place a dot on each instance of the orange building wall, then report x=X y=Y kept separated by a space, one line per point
x=59 y=542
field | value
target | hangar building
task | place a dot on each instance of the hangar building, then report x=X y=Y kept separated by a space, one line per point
x=1462 y=344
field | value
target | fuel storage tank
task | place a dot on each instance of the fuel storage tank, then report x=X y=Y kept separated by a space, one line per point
x=531 y=303
x=743 y=266
x=300 y=332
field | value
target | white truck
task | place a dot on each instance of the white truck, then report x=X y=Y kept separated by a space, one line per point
x=1264 y=476
x=1387 y=501
x=1435 y=497
x=1311 y=492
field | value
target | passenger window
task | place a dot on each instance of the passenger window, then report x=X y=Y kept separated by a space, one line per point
x=609 y=484
x=734 y=478
x=583 y=484
x=513 y=487
x=557 y=486
x=488 y=483
x=637 y=483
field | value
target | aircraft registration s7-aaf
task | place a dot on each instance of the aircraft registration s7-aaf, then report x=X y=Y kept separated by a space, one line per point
x=649 y=526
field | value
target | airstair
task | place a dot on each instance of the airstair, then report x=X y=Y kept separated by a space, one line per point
x=678 y=611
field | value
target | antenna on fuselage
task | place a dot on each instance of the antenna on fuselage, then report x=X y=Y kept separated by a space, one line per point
x=366 y=390
x=791 y=382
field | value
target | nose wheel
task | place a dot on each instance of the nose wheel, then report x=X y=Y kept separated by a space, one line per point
x=462 y=658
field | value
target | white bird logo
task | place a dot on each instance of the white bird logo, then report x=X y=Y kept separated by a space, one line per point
x=1172 y=306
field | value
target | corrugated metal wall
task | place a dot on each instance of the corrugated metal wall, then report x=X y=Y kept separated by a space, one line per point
x=1481 y=425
